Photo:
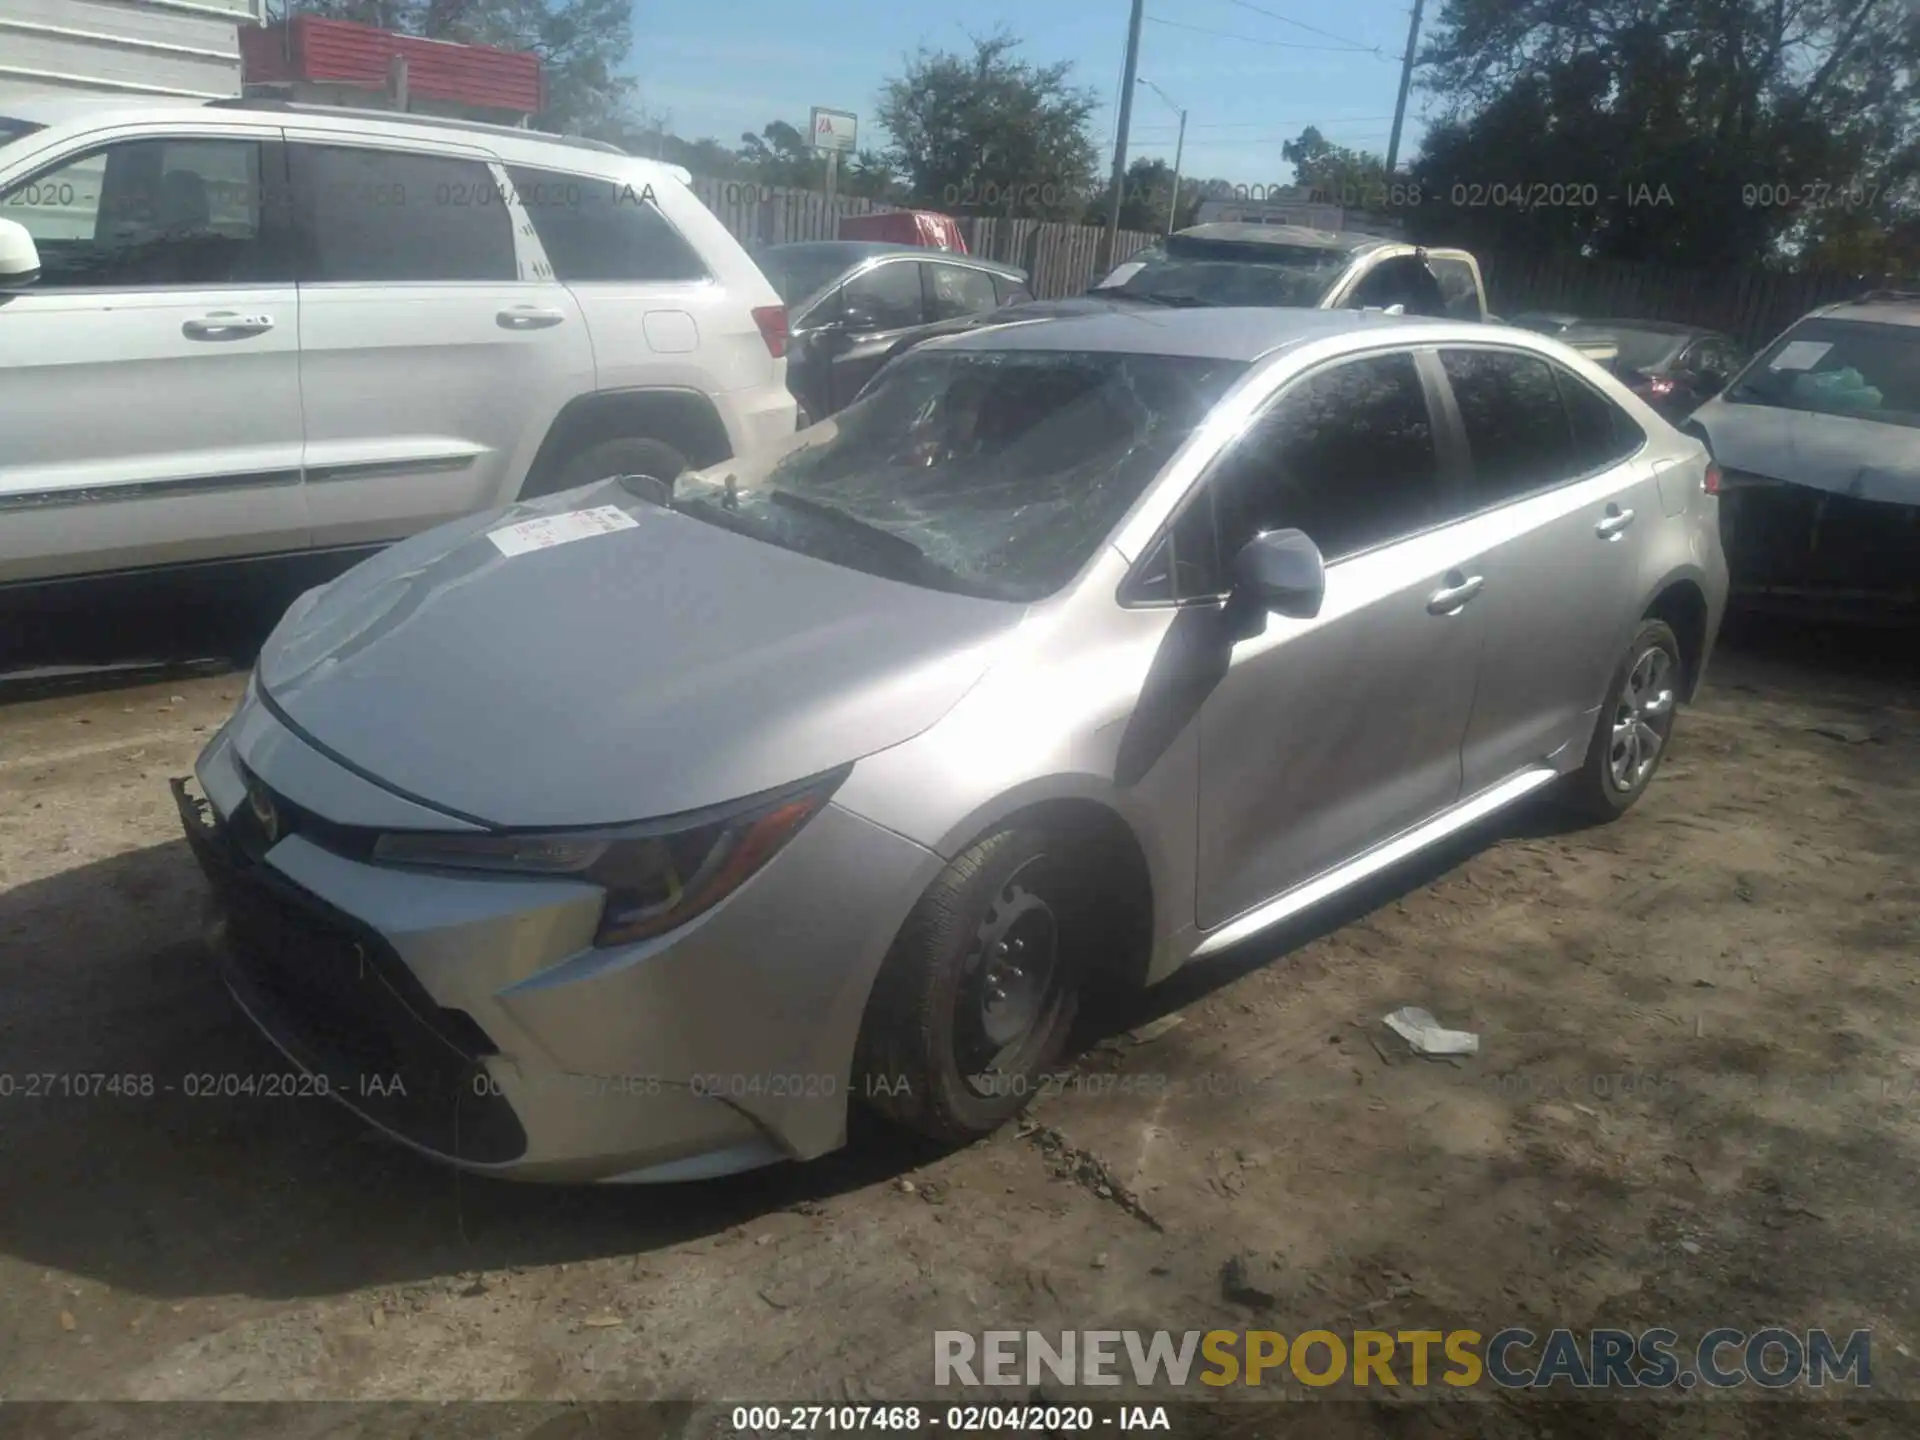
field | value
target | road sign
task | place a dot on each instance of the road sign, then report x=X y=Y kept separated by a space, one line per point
x=833 y=130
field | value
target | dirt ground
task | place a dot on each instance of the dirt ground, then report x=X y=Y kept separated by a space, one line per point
x=1694 y=1106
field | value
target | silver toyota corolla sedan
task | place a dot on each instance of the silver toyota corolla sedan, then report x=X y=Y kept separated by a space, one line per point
x=635 y=833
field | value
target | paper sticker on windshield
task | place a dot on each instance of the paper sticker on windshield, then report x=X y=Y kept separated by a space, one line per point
x=1125 y=273
x=1800 y=355
x=551 y=530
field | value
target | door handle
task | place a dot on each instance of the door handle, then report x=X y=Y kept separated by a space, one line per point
x=1449 y=599
x=226 y=325
x=529 y=317
x=1613 y=522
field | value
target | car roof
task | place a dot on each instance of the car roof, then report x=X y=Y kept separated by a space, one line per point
x=1651 y=327
x=1346 y=241
x=1880 y=307
x=511 y=143
x=1222 y=333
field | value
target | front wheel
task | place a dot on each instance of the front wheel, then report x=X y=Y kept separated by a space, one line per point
x=628 y=455
x=978 y=995
x=1636 y=723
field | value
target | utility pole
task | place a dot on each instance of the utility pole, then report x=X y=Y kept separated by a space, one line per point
x=1406 y=80
x=1179 y=149
x=1127 y=77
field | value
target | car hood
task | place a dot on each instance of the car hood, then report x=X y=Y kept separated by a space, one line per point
x=1866 y=459
x=655 y=669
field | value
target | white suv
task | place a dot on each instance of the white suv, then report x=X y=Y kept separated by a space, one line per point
x=264 y=333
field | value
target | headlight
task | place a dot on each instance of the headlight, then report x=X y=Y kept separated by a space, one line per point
x=657 y=876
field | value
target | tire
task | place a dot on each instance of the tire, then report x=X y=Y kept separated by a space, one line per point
x=932 y=1017
x=1616 y=773
x=628 y=455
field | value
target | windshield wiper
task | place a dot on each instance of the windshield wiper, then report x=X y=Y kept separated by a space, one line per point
x=853 y=524
x=1178 y=302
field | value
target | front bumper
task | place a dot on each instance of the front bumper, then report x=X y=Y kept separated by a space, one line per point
x=1793 y=548
x=471 y=1019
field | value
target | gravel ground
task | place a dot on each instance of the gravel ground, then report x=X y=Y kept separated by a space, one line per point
x=1692 y=1107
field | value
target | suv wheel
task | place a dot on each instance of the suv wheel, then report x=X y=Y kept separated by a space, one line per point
x=978 y=995
x=1636 y=722
x=628 y=455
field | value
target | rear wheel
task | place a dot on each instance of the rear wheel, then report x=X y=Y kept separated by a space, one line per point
x=978 y=995
x=627 y=455
x=1636 y=723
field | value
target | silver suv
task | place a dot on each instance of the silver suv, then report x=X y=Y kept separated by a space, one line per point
x=641 y=830
x=263 y=332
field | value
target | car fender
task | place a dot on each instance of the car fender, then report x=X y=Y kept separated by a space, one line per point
x=681 y=416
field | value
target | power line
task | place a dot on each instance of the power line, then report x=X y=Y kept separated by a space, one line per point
x=1270 y=140
x=1372 y=50
x=1319 y=122
x=1301 y=24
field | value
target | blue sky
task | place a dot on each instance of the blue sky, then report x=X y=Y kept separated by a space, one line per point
x=727 y=66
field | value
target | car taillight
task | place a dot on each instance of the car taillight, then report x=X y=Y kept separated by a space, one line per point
x=1710 y=482
x=772 y=320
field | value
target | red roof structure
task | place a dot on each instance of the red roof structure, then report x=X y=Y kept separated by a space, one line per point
x=310 y=50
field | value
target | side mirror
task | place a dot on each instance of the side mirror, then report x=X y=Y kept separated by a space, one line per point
x=19 y=256
x=1282 y=572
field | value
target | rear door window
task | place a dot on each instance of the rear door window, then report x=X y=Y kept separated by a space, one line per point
x=1517 y=427
x=1603 y=433
x=602 y=230
x=397 y=216
x=886 y=297
x=956 y=290
x=1010 y=291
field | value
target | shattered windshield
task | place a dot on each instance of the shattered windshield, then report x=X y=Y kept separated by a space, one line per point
x=1187 y=271
x=994 y=473
x=1837 y=367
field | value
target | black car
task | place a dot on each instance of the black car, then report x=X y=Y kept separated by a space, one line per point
x=852 y=304
x=1674 y=368
x=1544 y=322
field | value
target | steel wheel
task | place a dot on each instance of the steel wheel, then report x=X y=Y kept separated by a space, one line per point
x=1009 y=991
x=1642 y=719
x=976 y=999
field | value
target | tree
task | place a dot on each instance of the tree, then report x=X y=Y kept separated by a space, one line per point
x=1337 y=175
x=581 y=44
x=1695 y=132
x=871 y=177
x=780 y=155
x=1144 y=201
x=987 y=133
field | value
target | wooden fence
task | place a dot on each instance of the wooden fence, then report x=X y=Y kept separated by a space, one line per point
x=1059 y=258
x=1753 y=306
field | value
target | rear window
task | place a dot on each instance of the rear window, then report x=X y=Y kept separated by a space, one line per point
x=1839 y=367
x=796 y=274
